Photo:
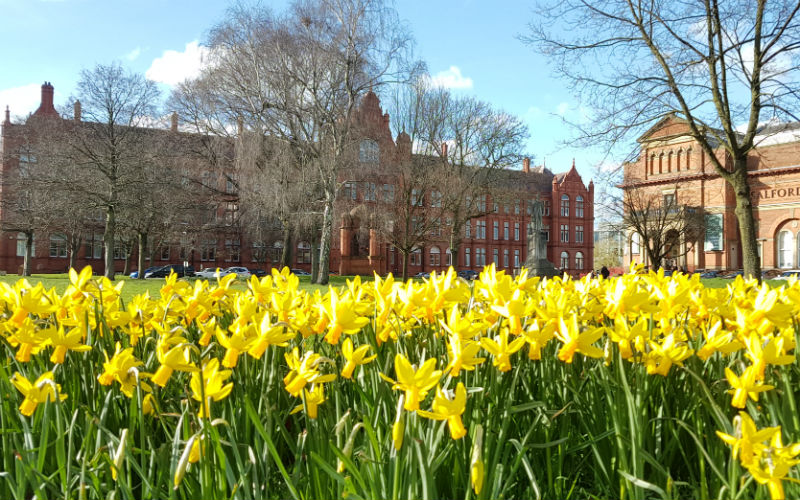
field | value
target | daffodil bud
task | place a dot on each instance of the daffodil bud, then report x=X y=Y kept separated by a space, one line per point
x=399 y=427
x=476 y=469
x=119 y=456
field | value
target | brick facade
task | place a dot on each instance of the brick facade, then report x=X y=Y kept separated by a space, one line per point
x=672 y=163
x=503 y=238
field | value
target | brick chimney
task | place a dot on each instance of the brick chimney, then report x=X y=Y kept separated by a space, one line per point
x=8 y=115
x=444 y=149
x=174 y=120
x=77 y=111
x=526 y=165
x=46 y=106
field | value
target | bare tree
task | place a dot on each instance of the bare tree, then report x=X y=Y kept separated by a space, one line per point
x=723 y=67
x=666 y=227
x=298 y=78
x=100 y=158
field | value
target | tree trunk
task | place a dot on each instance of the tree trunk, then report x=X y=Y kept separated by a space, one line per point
x=126 y=270
x=325 y=240
x=108 y=242
x=314 y=257
x=286 y=252
x=751 y=264
x=142 y=250
x=405 y=265
x=455 y=247
x=27 y=260
x=74 y=243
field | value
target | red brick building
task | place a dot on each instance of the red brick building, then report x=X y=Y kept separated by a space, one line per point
x=672 y=164
x=499 y=236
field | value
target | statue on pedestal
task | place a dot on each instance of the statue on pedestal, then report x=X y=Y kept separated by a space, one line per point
x=536 y=261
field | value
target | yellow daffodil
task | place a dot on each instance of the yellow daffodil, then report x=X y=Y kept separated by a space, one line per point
x=576 y=341
x=744 y=386
x=172 y=359
x=415 y=383
x=664 y=354
x=501 y=349
x=235 y=344
x=340 y=316
x=462 y=354
x=62 y=342
x=354 y=357
x=445 y=408
x=304 y=371
x=747 y=439
x=44 y=389
x=313 y=398
x=537 y=338
x=210 y=382
x=270 y=334
x=122 y=367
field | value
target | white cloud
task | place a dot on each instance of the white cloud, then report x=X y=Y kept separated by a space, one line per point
x=562 y=108
x=134 y=54
x=174 y=67
x=21 y=100
x=451 y=79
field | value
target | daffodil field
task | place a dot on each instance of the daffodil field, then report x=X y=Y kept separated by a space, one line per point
x=508 y=387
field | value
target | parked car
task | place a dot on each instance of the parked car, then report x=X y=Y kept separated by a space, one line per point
x=422 y=275
x=209 y=273
x=710 y=274
x=786 y=275
x=241 y=272
x=259 y=273
x=164 y=271
x=299 y=272
x=468 y=274
x=135 y=274
x=733 y=275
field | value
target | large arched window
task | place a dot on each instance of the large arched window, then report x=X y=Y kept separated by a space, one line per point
x=435 y=257
x=564 y=260
x=785 y=249
x=661 y=163
x=669 y=162
x=689 y=159
x=579 y=206
x=652 y=164
x=678 y=160
x=579 y=261
x=564 y=205
x=636 y=244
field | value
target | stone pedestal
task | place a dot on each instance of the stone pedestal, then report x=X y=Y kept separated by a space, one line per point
x=536 y=261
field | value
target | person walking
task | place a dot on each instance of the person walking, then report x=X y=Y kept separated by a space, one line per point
x=604 y=272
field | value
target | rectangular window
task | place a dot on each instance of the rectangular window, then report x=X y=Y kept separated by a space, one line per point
x=94 y=246
x=163 y=252
x=565 y=233
x=466 y=257
x=350 y=191
x=370 y=191
x=480 y=230
x=231 y=208
x=233 y=252
x=547 y=207
x=713 y=240
x=435 y=257
x=516 y=207
x=436 y=230
x=516 y=231
x=506 y=208
x=120 y=250
x=505 y=231
x=480 y=257
x=496 y=257
x=58 y=246
x=436 y=199
x=482 y=203
x=578 y=234
x=303 y=253
x=388 y=192
x=516 y=258
x=565 y=206
x=416 y=197
x=496 y=230
x=505 y=258
x=258 y=251
x=546 y=230
x=208 y=250
x=468 y=230
x=579 y=207
x=416 y=257
x=496 y=208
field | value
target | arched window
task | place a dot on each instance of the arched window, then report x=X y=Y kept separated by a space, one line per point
x=579 y=261
x=435 y=257
x=652 y=164
x=564 y=260
x=564 y=205
x=416 y=257
x=661 y=163
x=449 y=258
x=689 y=159
x=678 y=161
x=579 y=206
x=636 y=244
x=785 y=249
x=669 y=162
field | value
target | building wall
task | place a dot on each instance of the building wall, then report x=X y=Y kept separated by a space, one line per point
x=524 y=185
x=774 y=181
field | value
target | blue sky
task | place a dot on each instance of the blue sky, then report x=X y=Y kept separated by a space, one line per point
x=470 y=45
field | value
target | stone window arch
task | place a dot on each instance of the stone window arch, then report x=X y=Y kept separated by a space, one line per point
x=678 y=160
x=435 y=258
x=579 y=261
x=565 y=260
